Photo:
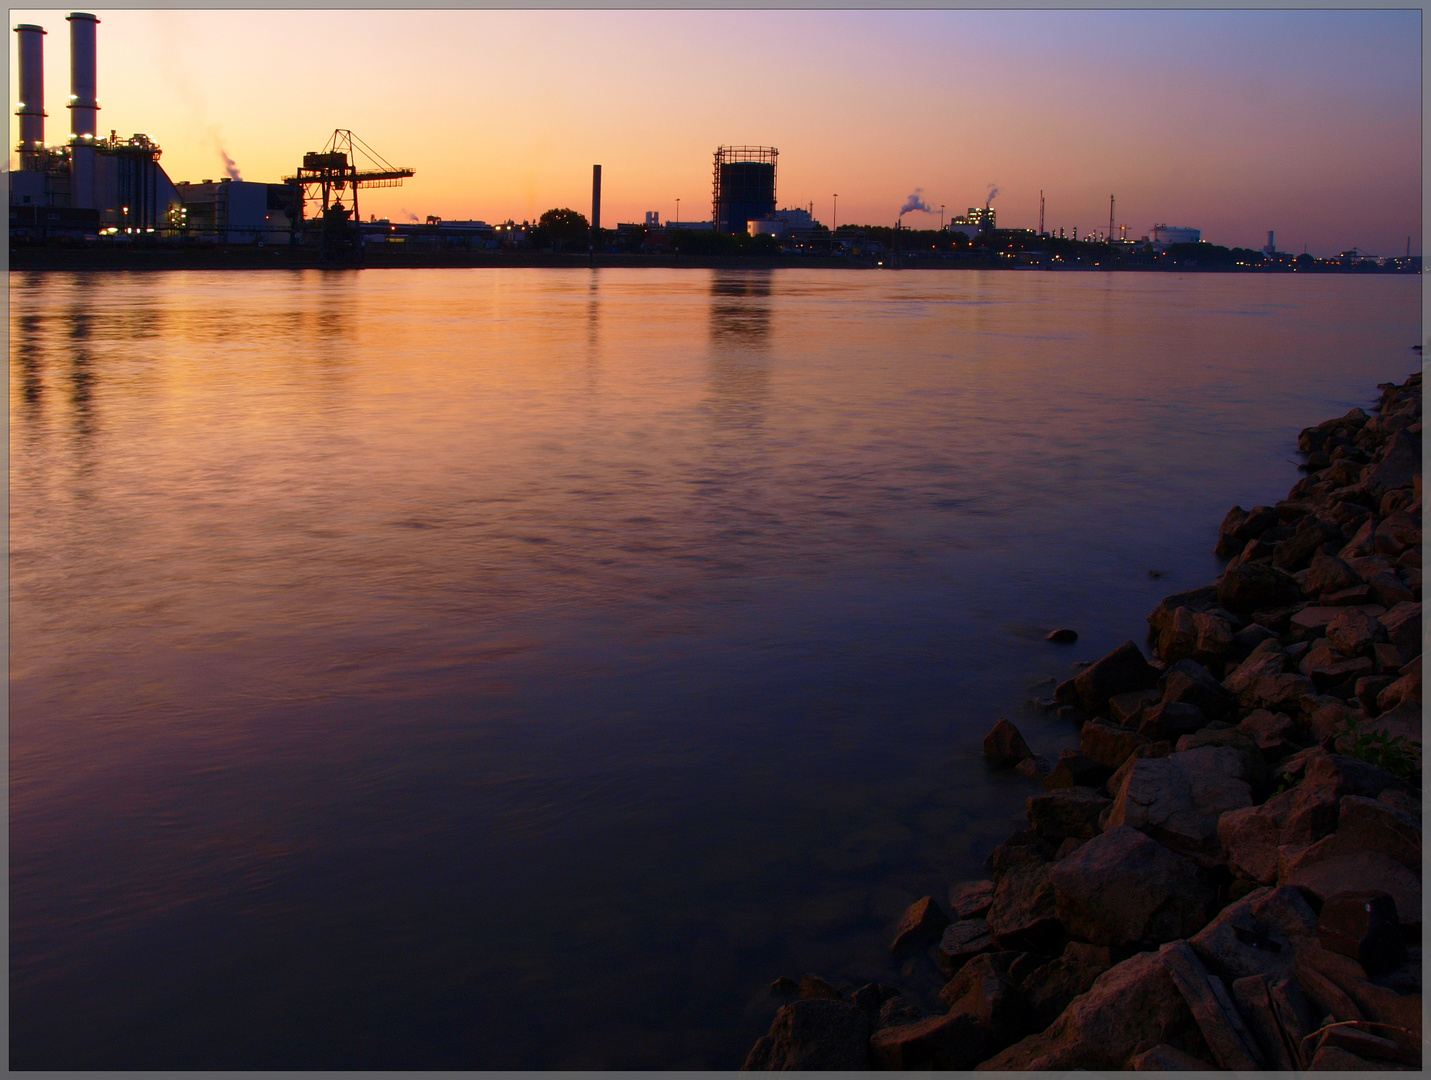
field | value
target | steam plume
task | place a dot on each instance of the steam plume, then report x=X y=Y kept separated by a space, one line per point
x=230 y=166
x=916 y=202
x=992 y=192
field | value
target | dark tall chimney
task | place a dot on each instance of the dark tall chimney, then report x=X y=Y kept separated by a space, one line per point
x=595 y=200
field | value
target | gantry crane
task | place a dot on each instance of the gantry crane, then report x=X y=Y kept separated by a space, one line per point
x=324 y=178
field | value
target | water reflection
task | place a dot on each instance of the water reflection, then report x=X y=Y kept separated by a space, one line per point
x=82 y=375
x=740 y=331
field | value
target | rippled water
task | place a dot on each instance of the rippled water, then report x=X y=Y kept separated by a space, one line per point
x=520 y=668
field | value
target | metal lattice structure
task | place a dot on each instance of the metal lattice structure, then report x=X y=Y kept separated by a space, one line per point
x=743 y=186
x=327 y=175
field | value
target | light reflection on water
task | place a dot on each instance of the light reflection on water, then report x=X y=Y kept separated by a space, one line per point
x=520 y=668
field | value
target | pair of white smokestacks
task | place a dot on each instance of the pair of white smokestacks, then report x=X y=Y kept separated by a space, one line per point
x=83 y=106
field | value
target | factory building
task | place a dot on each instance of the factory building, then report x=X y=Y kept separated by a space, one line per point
x=91 y=185
x=976 y=220
x=1175 y=234
x=784 y=223
x=236 y=211
x=743 y=187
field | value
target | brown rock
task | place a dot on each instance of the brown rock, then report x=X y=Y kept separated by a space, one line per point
x=813 y=1034
x=1122 y=670
x=971 y=899
x=1177 y=800
x=1130 y=1007
x=1109 y=744
x=1352 y=632
x=1257 y=934
x=1214 y=637
x=1389 y=590
x=1406 y=688
x=1051 y=988
x=1075 y=770
x=812 y=986
x=1178 y=640
x=1170 y=720
x=1023 y=914
x=1126 y=709
x=962 y=941
x=1388 y=658
x=1253 y=836
x=955 y=1041
x=1356 y=595
x=1399 y=468
x=1004 y=746
x=1068 y=812
x=1328 y=574
x=1279 y=1046
x=1123 y=889
x=921 y=924
x=1273 y=732
x=1398 y=532
x=1190 y=683
x=1370 y=870
x=1165 y=1058
x=1232 y=1045
x=983 y=990
x=1403 y=628
x=1248 y=586
x=1363 y=925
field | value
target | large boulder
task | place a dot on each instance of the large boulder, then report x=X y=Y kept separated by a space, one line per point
x=1066 y=812
x=921 y=924
x=1122 y=670
x=961 y=942
x=1177 y=800
x=1257 y=934
x=1189 y=682
x=953 y=1041
x=1250 y=587
x=1363 y=870
x=1366 y=825
x=1051 y=987
x=1403 y=627
x=1123 y=889
x=1253 y=836
x=813 y=1034
x=1399 y=468
x=1109 y=744
x=1130 y=1007
x=986 y=990
x=1352 y=632
x=1024 y=914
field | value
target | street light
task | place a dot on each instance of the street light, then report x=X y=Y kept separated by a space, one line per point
x=941 y=217
x=678 y=213
x=835 y=214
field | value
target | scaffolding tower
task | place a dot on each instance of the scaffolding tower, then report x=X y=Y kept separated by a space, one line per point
x=743 y=186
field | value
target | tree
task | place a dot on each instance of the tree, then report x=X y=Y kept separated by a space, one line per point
x=562 y=226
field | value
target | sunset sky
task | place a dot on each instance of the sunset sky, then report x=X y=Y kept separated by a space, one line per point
x=1234 y=122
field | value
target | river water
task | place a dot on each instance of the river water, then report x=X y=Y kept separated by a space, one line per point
x=521 y=668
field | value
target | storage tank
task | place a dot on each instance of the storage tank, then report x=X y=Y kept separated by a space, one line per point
x=744 y=185
x=1176 y=234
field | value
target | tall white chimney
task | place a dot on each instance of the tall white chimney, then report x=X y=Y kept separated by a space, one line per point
x=83 y=106
x=83 y=77
x=31 y=106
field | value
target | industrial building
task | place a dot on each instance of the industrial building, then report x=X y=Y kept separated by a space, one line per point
x=90 y=185
x=743 y=187
x=115 y=190
x=976 y=219
x=784 y=222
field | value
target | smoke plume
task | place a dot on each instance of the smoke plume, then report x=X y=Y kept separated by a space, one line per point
x=230 y=166
x=992 y=192
x=414 y=218
x=916 y=202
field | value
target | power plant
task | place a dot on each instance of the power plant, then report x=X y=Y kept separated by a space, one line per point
x=92 y=187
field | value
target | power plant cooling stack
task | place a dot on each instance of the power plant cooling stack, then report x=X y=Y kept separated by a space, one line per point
x=83 y=77
x=31 y=108
x=83 y=82
x=744 y=185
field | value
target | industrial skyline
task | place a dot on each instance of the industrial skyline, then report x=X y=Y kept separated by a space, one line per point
x=1306 y=122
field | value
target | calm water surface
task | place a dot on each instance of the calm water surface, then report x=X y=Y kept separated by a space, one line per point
x=520 y=668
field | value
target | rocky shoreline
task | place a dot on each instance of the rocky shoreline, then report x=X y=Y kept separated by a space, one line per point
x=1227 y=873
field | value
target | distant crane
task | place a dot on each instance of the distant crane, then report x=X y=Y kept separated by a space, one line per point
x=327 y=174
